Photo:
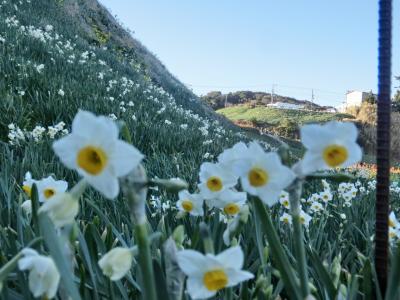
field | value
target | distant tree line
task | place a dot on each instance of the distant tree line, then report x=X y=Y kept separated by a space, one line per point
x=218 y=100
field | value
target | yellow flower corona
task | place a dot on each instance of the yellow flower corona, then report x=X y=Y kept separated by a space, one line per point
x=209 y=273
x=215 y=280
x=48 y=193
x=231 y=209
x=92 y=159
x=28 y=190
x=258 y=177
x=335 y=155
x=187 y=205
x=214 y=183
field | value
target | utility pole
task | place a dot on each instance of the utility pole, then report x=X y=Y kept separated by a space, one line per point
x=272 y=93
x=226 y=100
x=312 y=99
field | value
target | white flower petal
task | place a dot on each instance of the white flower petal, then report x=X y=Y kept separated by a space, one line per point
x=125 y=158
x=237 y=276
x=196 y=288
x=67 y=149
x=106 y=183
x=231 y=258
x=191 y=262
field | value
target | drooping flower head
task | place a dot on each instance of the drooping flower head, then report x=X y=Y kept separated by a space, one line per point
x=329 y=146
x=116 y=263
x=263 y=174
x=190 y=203
x=214 y=179
x=207 y=274
x=43 y=274
x=27 y=184
x=62 y=209
x=94 y=150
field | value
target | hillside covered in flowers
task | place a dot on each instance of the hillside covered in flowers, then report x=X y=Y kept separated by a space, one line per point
x=117 y=182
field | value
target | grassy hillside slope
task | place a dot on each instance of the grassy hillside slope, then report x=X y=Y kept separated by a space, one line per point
x=51 y=66
x=274 y=116
x=59 y=56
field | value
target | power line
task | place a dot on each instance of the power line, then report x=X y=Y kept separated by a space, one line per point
x=244 y=87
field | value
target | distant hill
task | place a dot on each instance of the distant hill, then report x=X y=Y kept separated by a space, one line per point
x=282 y=122
x=218 y=100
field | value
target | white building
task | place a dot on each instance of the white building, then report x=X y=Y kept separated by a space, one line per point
x=284 y=105
x=355 y=98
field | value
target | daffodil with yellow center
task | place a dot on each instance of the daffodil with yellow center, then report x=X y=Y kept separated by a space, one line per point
x=229 y=201
x=215 y=280
x=231 y=209
x=335 y=146
x=28 y=190
x=258 y=177
x=262 y=174
x=214 y=184
x=335 y=155
x=286 y=218
x=92 y=159
x=187 y=205
x=27 y=184
x=214 y=179
x=208 y=274
x=190 y=203
x=48 y=188
x=94 y=150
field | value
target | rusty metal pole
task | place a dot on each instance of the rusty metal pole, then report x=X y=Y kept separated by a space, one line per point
x=383 y=143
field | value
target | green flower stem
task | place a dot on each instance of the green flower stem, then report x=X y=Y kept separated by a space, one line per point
x=298 y=236
x=145 y=262
x=207 y=240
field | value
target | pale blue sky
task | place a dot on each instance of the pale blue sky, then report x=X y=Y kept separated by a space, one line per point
x=231 y=45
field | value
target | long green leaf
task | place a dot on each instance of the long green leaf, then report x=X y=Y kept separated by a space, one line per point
x=277 y=251
x=322 y=273
x=56 y=251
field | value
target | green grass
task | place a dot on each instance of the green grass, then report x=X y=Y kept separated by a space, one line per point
x=30 y=98
x=273 y=116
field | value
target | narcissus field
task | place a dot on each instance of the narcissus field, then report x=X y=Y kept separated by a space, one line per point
x=116 y=182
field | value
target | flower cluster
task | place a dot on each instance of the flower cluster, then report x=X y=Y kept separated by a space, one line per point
x=17 y=135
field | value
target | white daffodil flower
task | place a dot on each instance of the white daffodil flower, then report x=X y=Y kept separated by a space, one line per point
x=393 y=220
x=116 y=263
x=234 y=157
x=305 y=218
x=27 y=207
x=329 y=146
x=94 y=150
x=316 y=207
x=286 y=218
x=43 y=274
x=27 y=184
x=230 y=201
x=190 y=203
x=264 y=175
x=284 y=199
x=326 y=196
x=214 y=179
x=49 y=187
x=207 y=274
x=62 y=209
